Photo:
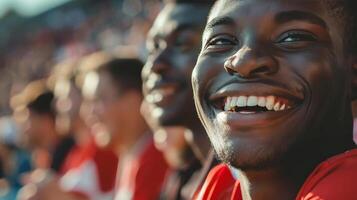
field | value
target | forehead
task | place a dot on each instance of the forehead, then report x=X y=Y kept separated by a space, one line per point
x=248 y=8
x=174 y=16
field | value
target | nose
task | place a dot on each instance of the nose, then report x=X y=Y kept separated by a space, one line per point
x=250 y=63
x=159 y=62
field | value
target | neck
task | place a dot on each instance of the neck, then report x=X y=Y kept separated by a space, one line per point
x=199 y=143
x=284 y=180
x=133 y=134
x=266 y=184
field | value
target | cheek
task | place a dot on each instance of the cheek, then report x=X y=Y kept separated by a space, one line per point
x=109 y=114
x=184 y=61
x=315 y=70
x=319 y=75
x=207 y=75
x=321 y=63
x=200 y=77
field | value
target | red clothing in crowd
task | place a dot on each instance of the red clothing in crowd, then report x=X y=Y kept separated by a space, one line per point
x=142 y=172
x=90 y=172
x=335 y=178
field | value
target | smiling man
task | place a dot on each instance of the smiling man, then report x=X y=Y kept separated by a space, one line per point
x=173 y=44
x=272 y=86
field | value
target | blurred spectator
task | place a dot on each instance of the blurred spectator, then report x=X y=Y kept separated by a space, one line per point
x=89 y=168
x=50 y=148
x=173 y=43
x=142 y=167
x=14 y=161
x=30 y=46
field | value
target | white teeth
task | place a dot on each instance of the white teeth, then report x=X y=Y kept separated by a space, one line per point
x=227 y=104
x=277 y=106
x=234 y=102
x=282 y=107
x=252 y=101
x=242 y=101
x=261 y=101
x=270 y=100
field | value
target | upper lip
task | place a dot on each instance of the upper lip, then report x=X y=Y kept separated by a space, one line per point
x=254 y=89
x=162 y=84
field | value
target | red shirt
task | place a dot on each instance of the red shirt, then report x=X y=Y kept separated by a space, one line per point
x=90 y=172
x=142 y=172
x=333 y=179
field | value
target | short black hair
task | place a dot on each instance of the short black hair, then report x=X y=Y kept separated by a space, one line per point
x=126 y=72
x=43 y=104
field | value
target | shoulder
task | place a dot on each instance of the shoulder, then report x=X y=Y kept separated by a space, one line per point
x=335 y=178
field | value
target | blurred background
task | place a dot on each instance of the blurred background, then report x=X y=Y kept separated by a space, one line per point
x=36 y=34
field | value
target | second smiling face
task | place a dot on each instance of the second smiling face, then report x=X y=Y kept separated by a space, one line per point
x=173 y=44
x=267 y=78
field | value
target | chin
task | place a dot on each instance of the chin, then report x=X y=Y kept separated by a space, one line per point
x=251 y=153
x=170 y=117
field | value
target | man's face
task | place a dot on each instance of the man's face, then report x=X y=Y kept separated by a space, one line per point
x=109 y=106
x=269 y=78
x=173 y=44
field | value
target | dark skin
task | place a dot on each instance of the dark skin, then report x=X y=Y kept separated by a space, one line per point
x=291 y=52
x=173 y=44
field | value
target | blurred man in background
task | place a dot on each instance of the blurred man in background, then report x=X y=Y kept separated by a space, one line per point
x=173 y=44
x=36 y=103
x=142 y=167
x=89 y=168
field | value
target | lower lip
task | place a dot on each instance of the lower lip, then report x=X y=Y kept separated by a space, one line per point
x=247 y=119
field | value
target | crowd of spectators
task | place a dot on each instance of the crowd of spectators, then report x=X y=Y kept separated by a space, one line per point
x=31 y=46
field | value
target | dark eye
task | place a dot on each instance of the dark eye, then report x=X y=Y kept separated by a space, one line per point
x=221 y=43
x=296 y=39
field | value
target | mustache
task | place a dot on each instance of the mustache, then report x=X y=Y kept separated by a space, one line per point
x=162 y=81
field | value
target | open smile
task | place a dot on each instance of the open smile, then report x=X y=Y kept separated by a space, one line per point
x=235 y=105
x=253 y=104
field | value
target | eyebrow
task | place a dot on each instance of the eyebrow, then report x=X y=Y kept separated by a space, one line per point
x=285 y=17
x=220 y=21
